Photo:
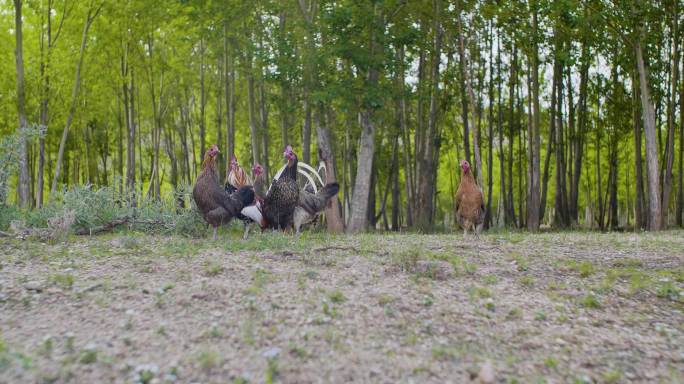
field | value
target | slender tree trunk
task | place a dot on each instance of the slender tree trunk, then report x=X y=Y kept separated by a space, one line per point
x=24 y=179
x=680 y=185
x=463 y=67
x=654 y=206
x=406 y=142
x=472 y=102
x=229 y=84
x=578 y=143
x=253 y=129
x=130 y=148
x=640 y=213
x=669 y=144
x=490 y=131
x=533 y=198
x=426 y=186
x=363 y=180
x=499 y=124
x=513 y=80
x=550 y=144
x=203 y=101
x=92 y=14
x=263 y=125
x=326 y=155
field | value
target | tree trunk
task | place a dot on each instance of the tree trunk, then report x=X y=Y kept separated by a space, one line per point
x=513 y=80
x=578 y=142
x=92 y=14
x=253 y=129
x=552 y=132
x=680 y=185
x=639 y=213
x=473 y=104
x=24 y=179
x=490 y=131
x=406 y=142
x=654 y=206
x=229 y=84
x=669 y=144
x=533 y=198
x=426 y=185
x=203 y=101
x=263 y=125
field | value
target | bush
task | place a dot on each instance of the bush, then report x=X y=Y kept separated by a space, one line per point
x=8 y=213
x=83 y=208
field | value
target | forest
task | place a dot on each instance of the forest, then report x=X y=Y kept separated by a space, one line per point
x=571 y=112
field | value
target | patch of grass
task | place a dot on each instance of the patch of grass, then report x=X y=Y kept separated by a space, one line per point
x=590 y=301
x=298 y=352
x=406 y=259
x=385 y=299
x=527 y=281
x=479 y=292
x=551 y=362
x=540 y=315
x=88 y=356
x=208 y=359
x=428 y=300
x=611 y=377
x=491 y=279
x=213 y=268
x=272 y=370
x=64 y=280
x=668 y=290
x=584 y=269
x=260 y=277
x=337 y=296
x=514 y=314
x=522 y=263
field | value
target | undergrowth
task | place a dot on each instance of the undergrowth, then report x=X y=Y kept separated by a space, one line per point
x=87 y=208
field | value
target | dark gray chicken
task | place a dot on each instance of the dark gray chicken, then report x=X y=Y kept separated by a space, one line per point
x=310 y=204
x=283 y=196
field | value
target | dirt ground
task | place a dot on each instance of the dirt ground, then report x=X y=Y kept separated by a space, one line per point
x=567 y=307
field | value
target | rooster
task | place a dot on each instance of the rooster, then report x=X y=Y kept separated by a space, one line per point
x=469 y=202
x=283 y=196
x=311 y=204
x=237 y=177
x=216 y=205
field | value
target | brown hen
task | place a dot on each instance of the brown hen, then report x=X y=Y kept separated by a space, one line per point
x=469 y=202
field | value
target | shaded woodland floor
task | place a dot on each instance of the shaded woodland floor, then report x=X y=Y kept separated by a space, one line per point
x=565 y=307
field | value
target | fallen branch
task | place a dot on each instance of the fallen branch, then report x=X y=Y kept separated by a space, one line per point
x=106 y=227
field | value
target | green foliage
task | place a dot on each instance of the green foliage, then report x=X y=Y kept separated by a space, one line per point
x=10 y=155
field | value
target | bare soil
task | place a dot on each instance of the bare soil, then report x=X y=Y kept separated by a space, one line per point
x=566 y=307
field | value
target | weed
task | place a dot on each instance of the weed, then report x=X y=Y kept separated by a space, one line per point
x=590 y=301
x=208 y=359
x=337 y=296
x=64 y=280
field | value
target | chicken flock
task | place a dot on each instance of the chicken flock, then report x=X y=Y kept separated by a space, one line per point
x=282 y=205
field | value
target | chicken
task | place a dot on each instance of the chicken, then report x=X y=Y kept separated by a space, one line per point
x=469 y=201
x=216 y=205
x=253 y=213
x=310 y=204
x=283 y=196
x=237 y=177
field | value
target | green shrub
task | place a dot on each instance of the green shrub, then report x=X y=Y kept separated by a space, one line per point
x=8 y=213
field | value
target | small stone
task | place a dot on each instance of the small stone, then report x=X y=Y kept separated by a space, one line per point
x=33 y=286
x=486 y=374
